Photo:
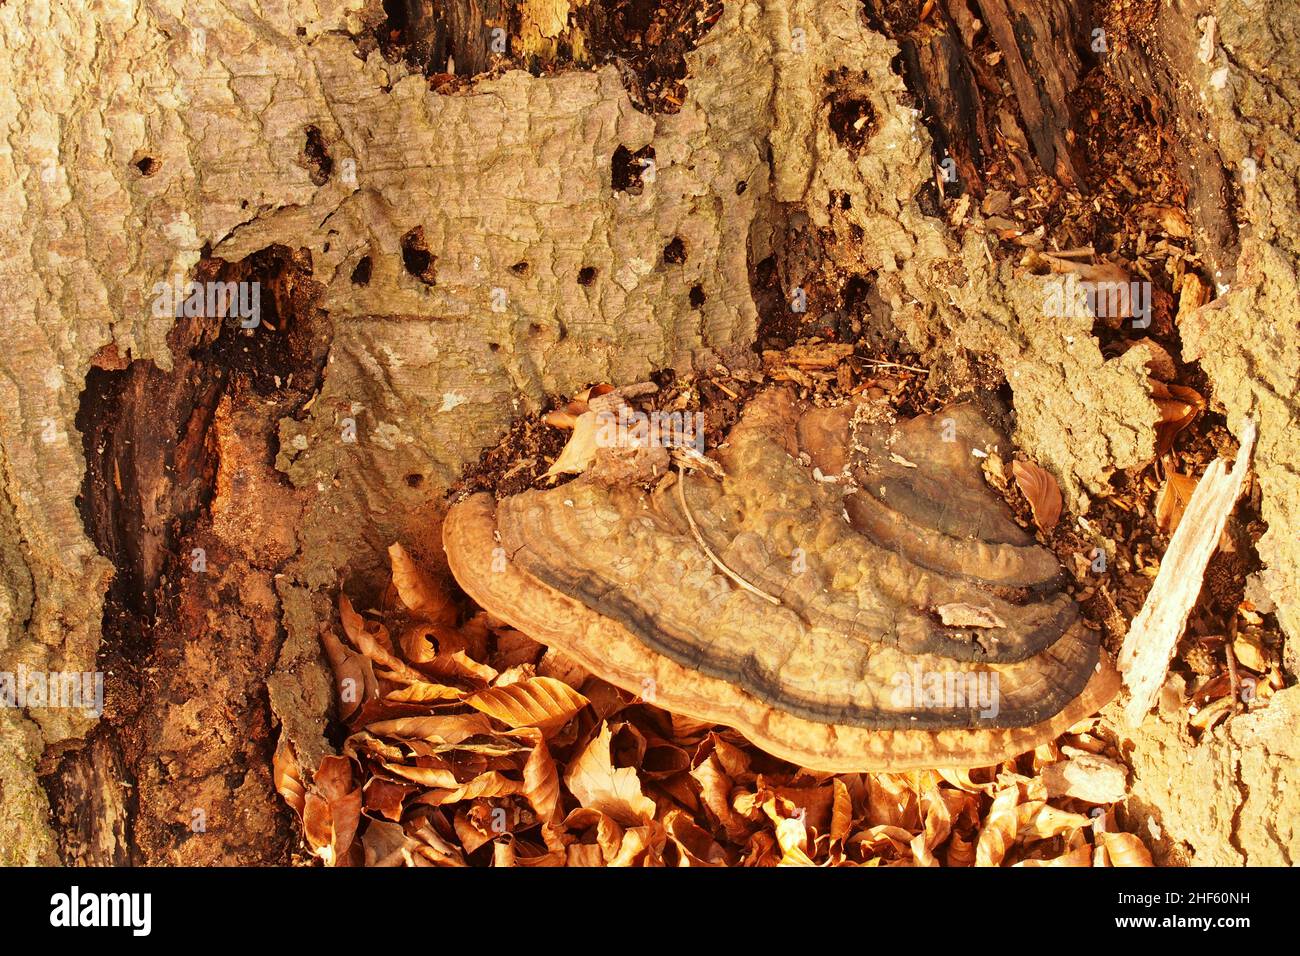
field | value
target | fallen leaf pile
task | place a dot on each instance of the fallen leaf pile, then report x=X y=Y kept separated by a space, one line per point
x=469 y=744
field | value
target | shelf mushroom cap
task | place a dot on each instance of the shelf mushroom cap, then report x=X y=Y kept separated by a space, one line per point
x=849 y=595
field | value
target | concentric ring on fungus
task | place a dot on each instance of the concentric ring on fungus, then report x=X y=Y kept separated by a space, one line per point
x=917 y=626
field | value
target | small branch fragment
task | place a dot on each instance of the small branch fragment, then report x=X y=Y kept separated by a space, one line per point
x=1151 y=640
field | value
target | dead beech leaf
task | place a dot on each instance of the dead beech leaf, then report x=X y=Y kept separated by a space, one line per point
x=1125 y=849
x=580 y=450
x=422 y=692
x=286 y=775
x=354 y=675
x=1079 y=856
x=937 y=827
x=417 y=591
x=695 y=845
x=490 y=784
x=385 y=797
x=542 y=784
x=450 y=729
x=542 y=702
x=599 y=785
x=841 y=812
x=1172 y=500
x=961 y=852
x=1178 y=406
x=371 y=639
x=999 y=830
x=1039 y=820
x=1042 y=491
x=332 y=810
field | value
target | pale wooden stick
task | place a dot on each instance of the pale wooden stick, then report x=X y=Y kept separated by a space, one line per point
x=1153 y=637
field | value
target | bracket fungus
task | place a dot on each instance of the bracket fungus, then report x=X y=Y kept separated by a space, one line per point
x=848 y=594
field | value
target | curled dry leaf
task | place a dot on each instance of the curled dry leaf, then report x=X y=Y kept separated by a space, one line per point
x=1042 y=492
x=1179 y=406
x=418 y=591
x=580 y=450
x=332 y=810
x=287 y=777
x=999 y=831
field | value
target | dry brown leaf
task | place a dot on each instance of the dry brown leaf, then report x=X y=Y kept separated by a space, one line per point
x=1178 y=406
x=580 y=450
x=695 y=845
x=841 y=812
x=1172 y=500
x=541 y=784
x=287 y=776
x=418 y=592
x=1079 y=856
x=1042 y=492
x=937 y=827
x=1125 y=849
x=371 y=639
x=354 y=675
x=448 y=729
x=541 y=702
x=1039 y=820
x=332 y=810
x=599 y=785
x=386 y=798
x=490 y=784
x=422 y=692
x=999 y=830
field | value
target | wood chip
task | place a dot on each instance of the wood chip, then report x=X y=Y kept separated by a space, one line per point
x=1153 y=637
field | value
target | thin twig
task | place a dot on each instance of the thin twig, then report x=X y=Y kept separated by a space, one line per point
x=883 y=364
x=1230 y=655
x=699 y=539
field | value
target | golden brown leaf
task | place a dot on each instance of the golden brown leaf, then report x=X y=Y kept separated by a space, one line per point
x=332 y=810
x=999 y=830
x=1042 y=492
x=1125 y=849
x=418 y=592
x=599 y=785
x=1079 y=856
x=286 y=775
x=1179 y=405
x=1172 y=501
x=536 y=702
